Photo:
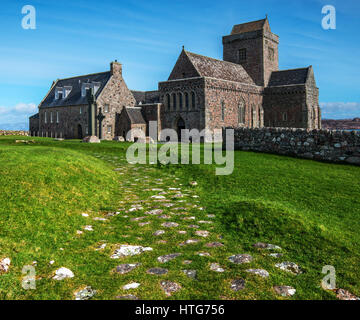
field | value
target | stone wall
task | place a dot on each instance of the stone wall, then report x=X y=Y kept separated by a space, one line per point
x=13 y=133
x=321 y=145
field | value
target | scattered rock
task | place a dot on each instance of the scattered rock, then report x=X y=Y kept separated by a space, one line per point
x=285 y=291
x=190 y=241
x=129 y=250
x=268 y=246
x=202 y=233
x=260 y=272
x=237 y=285
x=101 y=247
x=137 y=218
x=84 y=294
x=99 y=219
x=204 y=254
x=187 y=262
x=170 y=224
x=343 y=294
x=168 y=257
x=157 y=271
x=289 y=267
x=205 y=222
x=142 y=224
x=216 y=267
x=190 y=273
x=132 y=285
x=194 y=226
x=164 y=216
x=154 y=212
x=211 y=216
x=158 y=197
x=88 y=228
x=158 y=232
x=182 y=232
x=241 y=258
x=84 y=214
x=5 y=265
x=79 y=232
x=170 y=287
x=214 y=245
x=63 y=273
x=276 y=255
x=127 y=267
x=193 y=183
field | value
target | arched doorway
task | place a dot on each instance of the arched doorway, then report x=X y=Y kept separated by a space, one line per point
x=79 y=132
x=180 y=125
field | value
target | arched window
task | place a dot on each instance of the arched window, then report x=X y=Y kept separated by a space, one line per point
x=167 y=102
x=241 y=112
x=193 y=100
x=174 y=101
x=261 y=117
x=284 y=116
x=254 y=120
x=222 y=110
x=186 y=101
x=180 y=101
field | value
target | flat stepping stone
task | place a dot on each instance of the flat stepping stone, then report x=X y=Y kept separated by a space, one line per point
x=241 y=258
x=216 y=267
x=276 y=255
x=162 y=241
x=194 y=226
x=157 y=271
x=164 y=216
x=158 y=197
x=129 y=250
x=127 y=297
x=190 y=241
x=170 y=224
x=287 y=266
x=88 y=228
x=343 y=294
x=168 y=257
x=85 y=294
x=137 y=218
x=205 y=222
x=158 y=232
x=237 y=285
x=100 y=219
x=5 y=265
x=182 y=232
x=211 y=216
x=132 y=285
x=63 y=273
x=204 y=254
x=260 y=272
x=101 y=247
x=187 y=262
x=214 y=245
x=142 y=224
x=170 y=287
x=188 y=218
x=127 y=267
x=190 y=273
x=154 y=212
x=284 y=291
x=202 y=233
x=268 y=246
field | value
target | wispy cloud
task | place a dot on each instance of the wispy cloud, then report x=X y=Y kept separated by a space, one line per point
x=17 y=114
x=340 y=110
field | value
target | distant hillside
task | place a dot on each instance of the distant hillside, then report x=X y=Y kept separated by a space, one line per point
x=14 y=126
x=346 y=124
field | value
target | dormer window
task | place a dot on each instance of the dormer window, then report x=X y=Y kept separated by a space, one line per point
x=59 y=93
x=85 y=86
x=66 y=91
x=96 y=86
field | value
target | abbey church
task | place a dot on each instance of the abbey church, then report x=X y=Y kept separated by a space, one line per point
x=245 y=89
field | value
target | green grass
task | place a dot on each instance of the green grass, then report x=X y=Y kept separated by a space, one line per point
x=310 y=209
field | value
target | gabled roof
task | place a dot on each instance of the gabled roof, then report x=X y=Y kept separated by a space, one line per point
x=218 y=69
x=135 y=115
x=75 y=97
x=35 y=116
x=289 y=77
x=249 y=26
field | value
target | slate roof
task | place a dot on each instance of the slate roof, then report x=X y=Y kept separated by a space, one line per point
x=139 y=96
x=248 y=27
x=75 y=98
x=35 y=116
x=218 y=69
x=288 y=77
x=135 y=115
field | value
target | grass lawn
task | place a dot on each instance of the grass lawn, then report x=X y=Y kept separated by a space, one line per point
x=310 y=209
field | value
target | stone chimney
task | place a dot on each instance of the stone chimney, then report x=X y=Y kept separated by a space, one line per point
x=116 y=68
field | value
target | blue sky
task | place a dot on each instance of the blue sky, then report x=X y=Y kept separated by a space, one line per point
x=78 y=37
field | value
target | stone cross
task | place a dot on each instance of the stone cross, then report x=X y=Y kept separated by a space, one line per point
x=100 y=117
x=91 y=103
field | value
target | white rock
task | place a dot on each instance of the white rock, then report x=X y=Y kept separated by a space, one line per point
x=132 y=285
x=129 y=250
x=88 y=228
x=62 y=273
x=84 y=214
x=5 y=265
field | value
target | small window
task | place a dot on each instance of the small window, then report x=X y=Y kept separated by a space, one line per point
x=193 y=100
x=222 y=111
x=174 y=100
x=51 y=117
x=58 y=93
x=84 y=88
x=106 y=108
x=45 y=117
x=242 y=56
x=241 y=113
x=57 y=116
x=271 y=54
x=186 y=101
x=284 y=116
x=66 y=91
x=109 y=129
x=168 y=102
x=180 y=101
x=80 y=110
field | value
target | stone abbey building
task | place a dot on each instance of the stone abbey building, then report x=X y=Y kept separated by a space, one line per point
x=245 y=89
